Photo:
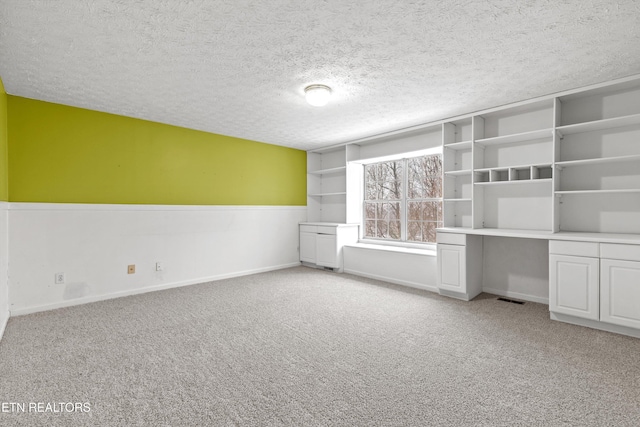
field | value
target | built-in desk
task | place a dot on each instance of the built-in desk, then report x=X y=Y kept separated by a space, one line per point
x=594 y=278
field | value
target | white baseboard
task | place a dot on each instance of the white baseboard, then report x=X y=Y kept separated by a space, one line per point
x=3 y=324
x=79 y=301
x=392 y=280
x=516 y=295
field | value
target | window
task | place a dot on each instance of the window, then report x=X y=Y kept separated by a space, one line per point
x=403 y=199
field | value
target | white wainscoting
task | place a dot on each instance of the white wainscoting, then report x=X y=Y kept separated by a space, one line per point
x=93 y=245
x=408 y=269
x=4 y=262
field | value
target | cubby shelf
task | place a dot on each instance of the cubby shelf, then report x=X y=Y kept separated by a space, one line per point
x=601 y=160
x=517 y=137
x=633 y=119
x=517 y=181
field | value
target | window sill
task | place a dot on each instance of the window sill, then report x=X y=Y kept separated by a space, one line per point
x=389 y=248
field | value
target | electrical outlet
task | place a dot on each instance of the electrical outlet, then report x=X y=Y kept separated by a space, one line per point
x=131 y=269
x=159 y=266
x=59 y=279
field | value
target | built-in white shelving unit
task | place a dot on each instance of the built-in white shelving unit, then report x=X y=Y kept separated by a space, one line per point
x=457 y=165
x=598 y=159
x=563 y=163
x=329 y=177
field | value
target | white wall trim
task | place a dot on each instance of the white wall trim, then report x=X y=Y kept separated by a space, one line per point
x=516 y=295
x=80 y=301
x=93 y=244
x=29 y=206
x=3 y=324
x=392 y=280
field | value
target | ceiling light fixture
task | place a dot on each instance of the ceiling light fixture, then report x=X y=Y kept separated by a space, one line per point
x=317 y=95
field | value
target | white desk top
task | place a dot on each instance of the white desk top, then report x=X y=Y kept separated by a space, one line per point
x=547 y=235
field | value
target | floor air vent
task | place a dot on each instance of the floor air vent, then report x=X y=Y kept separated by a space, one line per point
x=510 y=300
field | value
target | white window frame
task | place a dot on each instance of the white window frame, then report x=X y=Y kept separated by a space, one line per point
x=404 y=210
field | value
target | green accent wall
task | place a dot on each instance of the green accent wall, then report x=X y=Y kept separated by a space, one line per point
x=65 y=154
x=4 y=174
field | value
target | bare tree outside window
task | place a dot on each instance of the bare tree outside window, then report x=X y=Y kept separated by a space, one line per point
x=389 y=207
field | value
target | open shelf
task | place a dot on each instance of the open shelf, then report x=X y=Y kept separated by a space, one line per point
x=458 y=172
x=518 y=137
x=464 y=145
x=601 y=160
x=521 y=181
x=339 y=193
x=633 y=119
x=613 y=191
x=328 y=171
x=457 y=200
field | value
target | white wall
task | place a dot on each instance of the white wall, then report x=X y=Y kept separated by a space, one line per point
x=409 y=269
x=517 y=268
x=93 y=244
x=4 y=262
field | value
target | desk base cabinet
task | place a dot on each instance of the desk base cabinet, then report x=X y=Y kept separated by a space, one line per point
x=620 y=292
x=459 y=265
x=595 y=281
x=573 y=285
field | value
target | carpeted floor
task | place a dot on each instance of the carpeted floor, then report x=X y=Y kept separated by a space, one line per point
x=307 y=347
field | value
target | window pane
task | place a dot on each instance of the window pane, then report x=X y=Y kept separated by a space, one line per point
x=394 y=230
x=414 y=231
x=393 y=211
x=430 y=212
x=382 y=229
x=370 y=210
x=370 y=228
x=429 y=232
x=414 y=211
x=432 y=187
x=392 y=190
x=371 y=191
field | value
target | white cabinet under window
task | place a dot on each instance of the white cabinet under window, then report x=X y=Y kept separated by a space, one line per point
x=321 y=243
x=307 y=246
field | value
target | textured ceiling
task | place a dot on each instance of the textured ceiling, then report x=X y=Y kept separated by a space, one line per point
x=238 y=67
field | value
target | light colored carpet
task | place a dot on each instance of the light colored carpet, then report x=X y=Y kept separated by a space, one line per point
x=307 y=347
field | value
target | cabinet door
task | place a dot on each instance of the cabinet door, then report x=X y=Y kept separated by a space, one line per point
x=327 y=251
x=573 y=286
x=620 y=292
x=308 y=247
x=452 y=269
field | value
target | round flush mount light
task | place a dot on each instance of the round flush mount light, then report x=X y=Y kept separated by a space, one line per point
x=317 y=95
